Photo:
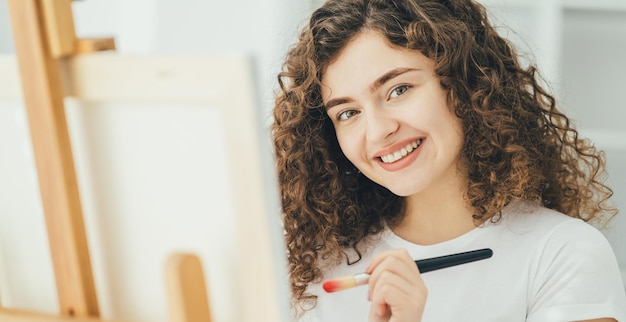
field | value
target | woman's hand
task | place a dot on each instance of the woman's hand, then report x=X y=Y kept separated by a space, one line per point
x=396 y=289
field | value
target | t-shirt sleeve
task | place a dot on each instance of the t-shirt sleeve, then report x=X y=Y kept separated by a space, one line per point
x=575 y=276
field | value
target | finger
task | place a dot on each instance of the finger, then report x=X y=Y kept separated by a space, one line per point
x=378 y=313
x=391 y=289
x=396 y=288
x=391 y=298
x=400 y=254
x=396 y=262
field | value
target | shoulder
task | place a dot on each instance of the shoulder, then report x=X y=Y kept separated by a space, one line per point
x=553 y=232
x=555 y=243
x=569 y=262
x=546 y=224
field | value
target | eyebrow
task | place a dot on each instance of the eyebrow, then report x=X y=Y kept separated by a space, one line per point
x=380 y=81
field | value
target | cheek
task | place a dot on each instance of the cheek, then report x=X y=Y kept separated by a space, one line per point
x=457 y=125
x=457 y=138
x=344 y=145
x=348 y=146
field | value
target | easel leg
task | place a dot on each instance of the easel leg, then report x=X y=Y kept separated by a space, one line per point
x=43 y=97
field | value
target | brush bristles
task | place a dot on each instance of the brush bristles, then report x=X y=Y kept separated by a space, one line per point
x=342 y=283
x=339 y=284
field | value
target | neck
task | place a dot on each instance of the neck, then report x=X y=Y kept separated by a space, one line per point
x=435 y=216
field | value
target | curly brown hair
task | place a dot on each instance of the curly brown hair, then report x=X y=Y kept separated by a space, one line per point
x=518 y=145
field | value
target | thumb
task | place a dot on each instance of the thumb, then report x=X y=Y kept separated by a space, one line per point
x=379 y=313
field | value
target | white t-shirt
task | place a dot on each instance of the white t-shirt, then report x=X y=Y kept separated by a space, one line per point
x=545 y=266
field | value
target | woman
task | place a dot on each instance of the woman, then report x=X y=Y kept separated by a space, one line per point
x=407 y=129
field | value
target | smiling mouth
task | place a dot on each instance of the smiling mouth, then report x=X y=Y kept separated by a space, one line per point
x=398 y=155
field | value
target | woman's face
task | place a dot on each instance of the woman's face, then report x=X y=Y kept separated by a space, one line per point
x=391 y=117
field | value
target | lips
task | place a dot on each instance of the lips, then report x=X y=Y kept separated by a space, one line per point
x=401 y=152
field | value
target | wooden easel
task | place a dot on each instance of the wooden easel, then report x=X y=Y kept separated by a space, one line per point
x=44 y=40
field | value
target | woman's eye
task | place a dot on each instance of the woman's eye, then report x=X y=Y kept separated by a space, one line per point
x=399 y=91
x=346 y=115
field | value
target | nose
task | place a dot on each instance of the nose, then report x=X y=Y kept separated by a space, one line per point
x=380 y=124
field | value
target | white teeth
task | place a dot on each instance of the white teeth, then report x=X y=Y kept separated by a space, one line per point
x=390 y=158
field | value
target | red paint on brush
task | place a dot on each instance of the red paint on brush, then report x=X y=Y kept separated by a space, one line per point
x=331 y=286
x=346 y=282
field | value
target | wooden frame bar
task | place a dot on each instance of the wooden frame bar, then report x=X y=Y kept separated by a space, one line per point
x=10 y=315
x=43 y=96
x=186 y=290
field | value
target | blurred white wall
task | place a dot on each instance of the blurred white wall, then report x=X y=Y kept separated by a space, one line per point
x=593 y=83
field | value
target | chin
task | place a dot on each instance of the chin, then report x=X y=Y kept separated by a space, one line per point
x=403 y=191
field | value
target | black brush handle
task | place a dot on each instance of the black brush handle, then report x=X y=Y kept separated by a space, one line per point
x=435 y=263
